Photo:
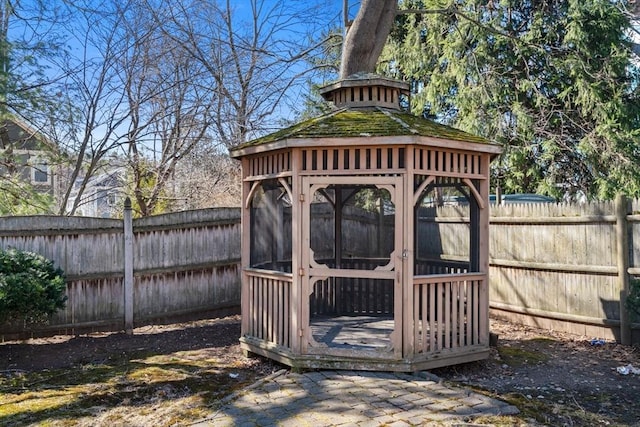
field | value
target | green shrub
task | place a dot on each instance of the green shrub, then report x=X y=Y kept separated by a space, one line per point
x=31 y=288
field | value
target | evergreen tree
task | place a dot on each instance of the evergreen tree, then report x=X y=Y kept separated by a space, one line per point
x=551 y=80
x=29 y=93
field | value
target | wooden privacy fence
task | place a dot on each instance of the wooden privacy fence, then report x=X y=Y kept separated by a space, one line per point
x=122 y=273
x=558 y=266
x=566 y=266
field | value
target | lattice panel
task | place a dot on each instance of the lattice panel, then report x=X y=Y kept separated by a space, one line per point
x=353 y=159
x=270 y=164
x=433 y=161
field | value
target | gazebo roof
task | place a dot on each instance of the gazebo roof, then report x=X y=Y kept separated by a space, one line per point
x=366 y=107
x=372 y=122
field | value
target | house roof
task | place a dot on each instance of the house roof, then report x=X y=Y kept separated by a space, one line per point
x=371 y=122
x=24 y=137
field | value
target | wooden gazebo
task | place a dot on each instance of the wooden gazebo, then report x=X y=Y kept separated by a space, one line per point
x=365 y=237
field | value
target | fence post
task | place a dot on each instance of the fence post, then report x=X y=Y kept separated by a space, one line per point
x=128 y=267
x=622 y=237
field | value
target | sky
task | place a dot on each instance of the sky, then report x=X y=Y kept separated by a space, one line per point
x=312 y=15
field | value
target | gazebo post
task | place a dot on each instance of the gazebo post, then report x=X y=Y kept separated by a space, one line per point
x=338 y=227
x=296 y=302
x=484 y=251
x=245 y=220
x=408 y=254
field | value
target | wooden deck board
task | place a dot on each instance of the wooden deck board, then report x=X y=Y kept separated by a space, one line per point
x=353 y=332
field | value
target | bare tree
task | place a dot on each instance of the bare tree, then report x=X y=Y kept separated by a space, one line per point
x=132 y=92
x=206 y=178
x=91 y=127
x=151 y=80
x=254 y=58
x=170 y=104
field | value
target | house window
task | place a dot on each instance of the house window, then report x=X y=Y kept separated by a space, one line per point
x=40 y=172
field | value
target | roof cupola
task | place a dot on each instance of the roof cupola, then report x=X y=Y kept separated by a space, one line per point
x=366 y=91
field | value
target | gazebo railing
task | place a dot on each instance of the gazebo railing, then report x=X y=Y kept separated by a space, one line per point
x=447 y=312
x=350 y=296
x=364 y=296
x=343 y=296
x=283 y=266
x=429 y=266
x=269 y=306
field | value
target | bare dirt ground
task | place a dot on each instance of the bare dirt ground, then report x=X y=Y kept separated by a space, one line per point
x=173 y=374
x=219 y=336
x=555 y=378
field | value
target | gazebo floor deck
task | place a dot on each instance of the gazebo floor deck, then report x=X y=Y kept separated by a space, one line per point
x=359 y=343
x=353 y=332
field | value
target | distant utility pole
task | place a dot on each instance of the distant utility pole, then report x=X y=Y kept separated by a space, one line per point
x=5 y=14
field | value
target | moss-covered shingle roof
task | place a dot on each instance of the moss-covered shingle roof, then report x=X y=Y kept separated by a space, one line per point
x=346 y=123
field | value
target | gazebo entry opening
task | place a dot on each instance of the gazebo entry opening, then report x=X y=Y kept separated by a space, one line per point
x=353 y=261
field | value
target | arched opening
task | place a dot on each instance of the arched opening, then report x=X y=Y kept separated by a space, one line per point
x=448 y=281
x=352 y=242
x=270 y=226
x=446 y=224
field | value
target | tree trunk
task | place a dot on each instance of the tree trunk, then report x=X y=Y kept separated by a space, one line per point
x=366 y=37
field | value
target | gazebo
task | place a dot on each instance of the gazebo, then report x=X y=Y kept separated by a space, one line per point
x=365 y=237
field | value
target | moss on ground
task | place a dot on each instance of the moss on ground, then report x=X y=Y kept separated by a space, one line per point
x=516 y=356
x=183 y=385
